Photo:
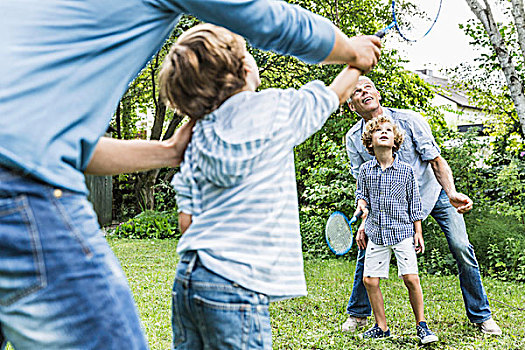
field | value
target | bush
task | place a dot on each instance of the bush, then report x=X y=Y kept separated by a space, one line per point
x=165 y=199
x=324 y=185
x=499 y=242
x=313 y=238
x=126 y=205
x=124 y=199
x=150 y=224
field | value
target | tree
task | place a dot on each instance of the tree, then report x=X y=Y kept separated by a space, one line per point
x=353 y=17
x=145 y=182
x=500 y=47
x=495 y=84
x=323 y=175
x=142 y=97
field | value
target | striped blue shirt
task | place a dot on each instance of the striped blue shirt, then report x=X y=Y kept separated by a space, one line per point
x=238 y=182
x=393 y=200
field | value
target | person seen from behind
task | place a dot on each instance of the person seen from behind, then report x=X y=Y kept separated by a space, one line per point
x=236 y=190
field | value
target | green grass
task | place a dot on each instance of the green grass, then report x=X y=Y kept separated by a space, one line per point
x=312 y=322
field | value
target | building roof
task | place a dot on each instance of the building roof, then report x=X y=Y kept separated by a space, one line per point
x=446 y=89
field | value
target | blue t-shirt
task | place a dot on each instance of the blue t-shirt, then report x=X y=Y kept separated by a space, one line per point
x=65 y=65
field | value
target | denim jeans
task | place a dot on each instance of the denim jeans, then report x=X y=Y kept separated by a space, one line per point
x=453 y=226
x=210 y=312
x=61 y=287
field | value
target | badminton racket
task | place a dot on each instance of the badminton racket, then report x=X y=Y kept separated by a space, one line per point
x=413 y=21
x=338 y=232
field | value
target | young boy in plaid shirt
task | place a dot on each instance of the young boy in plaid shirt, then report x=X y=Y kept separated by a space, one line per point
x=388 y=194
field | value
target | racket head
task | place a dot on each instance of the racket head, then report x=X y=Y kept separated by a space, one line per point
x=416 y=19
x=338 y=233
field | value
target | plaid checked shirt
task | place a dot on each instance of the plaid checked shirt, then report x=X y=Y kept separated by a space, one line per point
x=393 y=200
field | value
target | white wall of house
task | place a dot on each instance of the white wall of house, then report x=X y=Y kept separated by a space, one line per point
x=457 y=108
x=455 y=114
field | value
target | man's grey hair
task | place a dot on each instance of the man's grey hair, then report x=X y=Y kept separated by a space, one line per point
x=361 y=78
x=364 y=77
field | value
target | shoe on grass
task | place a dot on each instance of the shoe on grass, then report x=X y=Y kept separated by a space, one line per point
x=489 y=327
x=375 y=333
x=353 y=323
x=425 y=335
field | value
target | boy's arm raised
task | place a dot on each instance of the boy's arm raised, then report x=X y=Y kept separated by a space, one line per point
x=345 y=82
x=313 y=103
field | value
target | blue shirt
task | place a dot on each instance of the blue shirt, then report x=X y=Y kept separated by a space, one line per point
x=393 y=199
x=238 y=182
x=65 y=65
x=418 y=148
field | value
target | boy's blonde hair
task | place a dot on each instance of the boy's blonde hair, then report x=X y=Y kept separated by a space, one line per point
x=203 y=68
x=372 y=125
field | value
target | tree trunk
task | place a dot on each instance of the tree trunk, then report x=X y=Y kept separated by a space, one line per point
x=518 y=12
x=160 y=115
x=498 y=44
x=336 y=19
x=175 y=120
x=144 y=187
x=160 y=107
x=117 y=122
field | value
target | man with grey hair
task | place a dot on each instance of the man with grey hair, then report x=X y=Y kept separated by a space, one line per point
x=439 y=199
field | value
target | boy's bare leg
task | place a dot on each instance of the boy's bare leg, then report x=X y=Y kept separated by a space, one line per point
x=376 y=300
x=416 y=296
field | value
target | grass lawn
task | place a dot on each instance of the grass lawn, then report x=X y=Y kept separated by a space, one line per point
x=312 y=322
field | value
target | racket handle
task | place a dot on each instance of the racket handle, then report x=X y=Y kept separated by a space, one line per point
x=381 y=33
x=356 y=216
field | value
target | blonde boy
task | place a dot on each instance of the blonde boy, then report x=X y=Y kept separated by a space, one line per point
x=236 y=191
x=387 y=187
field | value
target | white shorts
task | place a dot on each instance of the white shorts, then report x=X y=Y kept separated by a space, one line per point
x=377 y=258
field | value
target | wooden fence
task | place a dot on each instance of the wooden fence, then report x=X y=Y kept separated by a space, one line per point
x=101 y=196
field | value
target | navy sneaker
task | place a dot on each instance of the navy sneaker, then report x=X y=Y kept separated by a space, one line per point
x=425 y=335
x=375 y=333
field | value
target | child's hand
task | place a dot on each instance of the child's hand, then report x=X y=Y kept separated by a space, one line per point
x=362 y=205
x=419 y=243
x=360 y=236
x=363 y=208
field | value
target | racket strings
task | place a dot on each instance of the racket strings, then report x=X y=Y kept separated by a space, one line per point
x=415 y=19
x=339 y=234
